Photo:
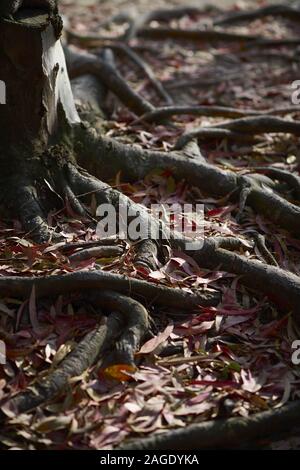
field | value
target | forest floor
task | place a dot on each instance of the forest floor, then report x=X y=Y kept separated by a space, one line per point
x=243 y=346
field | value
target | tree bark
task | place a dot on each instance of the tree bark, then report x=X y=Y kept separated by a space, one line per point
x=33 y=68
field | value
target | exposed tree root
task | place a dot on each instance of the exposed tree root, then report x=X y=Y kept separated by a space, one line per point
x=96 y=252
x=97 y=154
x=292 y=180
x=213 y=133
x=284 y=11
x=147 y=254
x=136 y=326
x=162 y=113
x=55 y=172
x=137 y=21
x=165 y=112
x=75 y=364
x=231 y=432
x=82 y=64
x=281 y=287
x=162 y=33
x=211 y=35
x=124 y=49
x=195 y=35
x=260 y=242
x=247 y=125
x=273 y=43
x=130 y=324
x=83 y=280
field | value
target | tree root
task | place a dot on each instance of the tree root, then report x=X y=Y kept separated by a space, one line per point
x=213 y=133
x=124 y=49
x=101 y=280
x=211 y=35
x=165 y=112
x=231 y=432
x=281 y=10
x=82 y=64
x=292 y=180
x=195 y=35
x=137 y=21
x=162 y=33
x=260 y=242
x=105 y=157
x=162 y=113
x=280 y=286
x=96 y=252
x=147 y=254
x=136 y=326
x=246 y=125
x=131 y=320
x=273 y=43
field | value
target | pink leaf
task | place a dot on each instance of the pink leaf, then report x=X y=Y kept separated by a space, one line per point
x=153 y=343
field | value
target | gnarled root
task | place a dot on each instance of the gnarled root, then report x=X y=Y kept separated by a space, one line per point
x=129 y=325
x=105 y=157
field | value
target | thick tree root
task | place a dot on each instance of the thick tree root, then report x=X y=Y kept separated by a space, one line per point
x=130 y=325
x=68 y=182
x=101 y=280
x=130 y=337
x=77 y=362
x=106 y=157
x=45 y=185
x=280 y=286
x=229 y=433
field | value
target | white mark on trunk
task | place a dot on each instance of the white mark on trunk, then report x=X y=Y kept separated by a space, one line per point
x=58 y=89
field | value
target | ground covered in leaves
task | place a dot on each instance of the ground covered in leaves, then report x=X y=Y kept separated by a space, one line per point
x=232 y=360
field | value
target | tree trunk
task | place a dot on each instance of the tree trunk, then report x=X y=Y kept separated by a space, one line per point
x=38 y=113
x=33 y=68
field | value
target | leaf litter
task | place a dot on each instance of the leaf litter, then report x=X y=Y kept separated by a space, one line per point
x=239 y=350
